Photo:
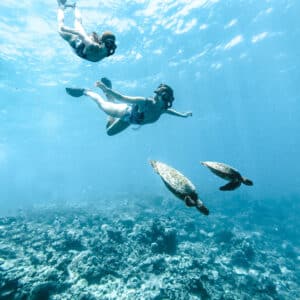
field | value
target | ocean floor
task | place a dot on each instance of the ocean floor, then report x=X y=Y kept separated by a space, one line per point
x=151 y=248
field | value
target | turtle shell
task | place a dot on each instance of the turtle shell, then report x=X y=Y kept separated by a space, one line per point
x=176 y=182
x=222 y=170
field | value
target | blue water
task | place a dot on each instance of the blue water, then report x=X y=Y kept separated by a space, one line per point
x=234 y=64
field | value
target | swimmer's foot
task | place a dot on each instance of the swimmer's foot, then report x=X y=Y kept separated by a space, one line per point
x=73 y=5
x=106 y=82
x=74 y=92
x=63 y=4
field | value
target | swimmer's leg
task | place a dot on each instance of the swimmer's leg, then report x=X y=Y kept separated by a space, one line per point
x=61 y=25
x=116 y=110
x=115 y=126
x=60 y=17
x=78 y=21
x=108 y=83
x=110 y=121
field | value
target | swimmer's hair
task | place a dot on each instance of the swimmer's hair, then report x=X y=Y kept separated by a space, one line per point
x=107 y=35
x=167 y=94
x=164 y=88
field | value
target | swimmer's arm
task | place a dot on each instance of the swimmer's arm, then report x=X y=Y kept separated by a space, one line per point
x=116 y=95
x=178 y=114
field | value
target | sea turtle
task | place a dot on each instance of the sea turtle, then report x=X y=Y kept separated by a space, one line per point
x=179 y=185
x=228 y=173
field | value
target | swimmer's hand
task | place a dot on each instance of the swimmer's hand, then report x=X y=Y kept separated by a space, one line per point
x=188 y=114
x=179 y=114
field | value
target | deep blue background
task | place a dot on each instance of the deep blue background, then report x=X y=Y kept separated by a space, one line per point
x=244 y=98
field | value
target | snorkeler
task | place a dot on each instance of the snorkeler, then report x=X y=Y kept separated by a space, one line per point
x=135 y=110
x=91 y=47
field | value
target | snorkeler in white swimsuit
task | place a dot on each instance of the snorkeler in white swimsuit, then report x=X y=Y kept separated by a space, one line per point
x=130 y=110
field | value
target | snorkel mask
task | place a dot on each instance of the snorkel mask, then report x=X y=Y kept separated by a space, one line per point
x=109 y=41
x=166 y=93
x=110 y=46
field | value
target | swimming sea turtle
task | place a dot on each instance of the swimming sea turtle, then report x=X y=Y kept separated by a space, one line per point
x=228 y=173
x=179 y=185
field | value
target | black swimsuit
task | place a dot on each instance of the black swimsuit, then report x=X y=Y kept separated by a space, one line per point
x=78 y=47
x=136 y=117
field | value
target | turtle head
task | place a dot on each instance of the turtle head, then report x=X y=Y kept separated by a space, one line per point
x=247 y=181
x=153 y=165
x=203 y=209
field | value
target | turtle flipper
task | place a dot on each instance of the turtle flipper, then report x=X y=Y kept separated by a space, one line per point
x=232 y=185
x=189 y=201
x=247 y=181
x=75 y=92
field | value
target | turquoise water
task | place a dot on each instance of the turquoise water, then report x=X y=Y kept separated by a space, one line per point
x=234 y=64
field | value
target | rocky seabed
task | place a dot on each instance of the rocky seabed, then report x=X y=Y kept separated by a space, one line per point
x=147 y=252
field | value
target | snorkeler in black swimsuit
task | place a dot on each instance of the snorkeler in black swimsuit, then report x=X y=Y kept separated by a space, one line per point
x=91 y=47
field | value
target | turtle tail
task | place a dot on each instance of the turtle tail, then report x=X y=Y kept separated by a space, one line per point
x=247 y=181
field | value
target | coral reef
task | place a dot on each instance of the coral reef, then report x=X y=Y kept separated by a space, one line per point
x=147 y=252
